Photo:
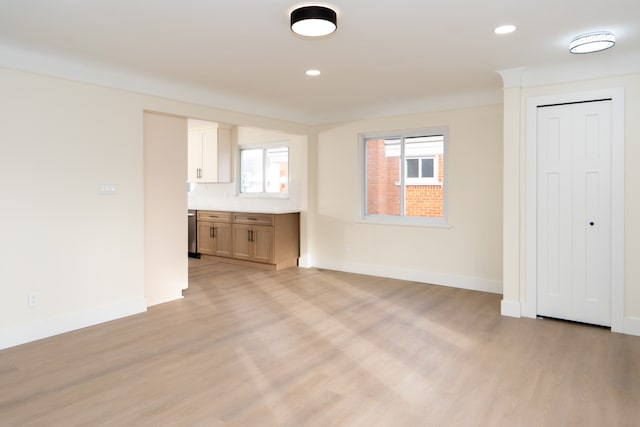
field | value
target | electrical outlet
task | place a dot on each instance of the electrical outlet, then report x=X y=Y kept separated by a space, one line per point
x=34 y=298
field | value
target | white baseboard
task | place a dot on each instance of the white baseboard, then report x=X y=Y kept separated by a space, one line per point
x=165 y=299
x=510 y=308
x=304 y=262
x=453 y=281
x=44 y=328
x=632 y=326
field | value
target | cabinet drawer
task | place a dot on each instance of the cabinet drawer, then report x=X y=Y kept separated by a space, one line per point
x=252 y=218
x=214 y=216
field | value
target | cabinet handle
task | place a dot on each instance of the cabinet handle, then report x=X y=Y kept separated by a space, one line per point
x=252 y=239
x=210 y=231
x=252 y=219
x=214 y=232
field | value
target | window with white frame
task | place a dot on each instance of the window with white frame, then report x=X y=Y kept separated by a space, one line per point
x=405 y=176
x=422 y=170
x=264 y=170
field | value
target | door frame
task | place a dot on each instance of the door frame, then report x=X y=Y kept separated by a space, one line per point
x=529 y=305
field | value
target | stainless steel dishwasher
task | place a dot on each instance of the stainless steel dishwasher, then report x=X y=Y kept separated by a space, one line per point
x=193 y=234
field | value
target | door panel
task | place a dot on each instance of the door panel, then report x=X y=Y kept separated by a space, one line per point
x=241 y=242
x=263 y=240
x=592 y=220
x=223 y=239
x=554 y=221
x=574 y=220
x=206 y=243
x=194 y=156
x=209 y=156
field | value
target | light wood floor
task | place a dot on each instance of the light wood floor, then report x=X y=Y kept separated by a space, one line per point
x=317 y=348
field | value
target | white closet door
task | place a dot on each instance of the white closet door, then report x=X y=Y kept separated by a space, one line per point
x=574 y=212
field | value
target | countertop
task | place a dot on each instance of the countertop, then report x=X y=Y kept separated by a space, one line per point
x=263 y=210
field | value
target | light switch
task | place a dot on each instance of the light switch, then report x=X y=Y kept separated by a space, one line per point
x=107 y=189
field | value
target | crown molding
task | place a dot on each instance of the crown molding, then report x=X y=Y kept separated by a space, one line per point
x=13 y=57
x=580 y=68
x=512 y=77
x=18 y=58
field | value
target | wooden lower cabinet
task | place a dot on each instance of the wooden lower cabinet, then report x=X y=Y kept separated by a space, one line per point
x=271 y=239
x=253 y=243
x=214 y=238
x=214 y=233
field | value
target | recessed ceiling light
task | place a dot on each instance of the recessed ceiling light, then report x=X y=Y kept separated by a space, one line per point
x=312 y=73
x=592 y=42
x=505 y=29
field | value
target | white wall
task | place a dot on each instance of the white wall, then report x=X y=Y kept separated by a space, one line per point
x=515 y=101
x=466 y=254
x=83 y=252
x=165 y=203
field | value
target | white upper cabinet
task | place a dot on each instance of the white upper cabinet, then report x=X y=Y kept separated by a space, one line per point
x=209 y=152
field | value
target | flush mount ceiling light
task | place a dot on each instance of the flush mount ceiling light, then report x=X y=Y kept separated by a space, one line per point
x=312 y=73
x=592 y=42
x=313 y=21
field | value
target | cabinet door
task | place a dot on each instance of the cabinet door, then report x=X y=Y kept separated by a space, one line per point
x=224 y=154
x=222 y=238
x=206 y=242
x=241 y=241
x=263 y=244
x=209 y=156
x=194 y=156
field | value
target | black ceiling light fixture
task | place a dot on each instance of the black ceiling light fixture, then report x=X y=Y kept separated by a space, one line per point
x=314 y=21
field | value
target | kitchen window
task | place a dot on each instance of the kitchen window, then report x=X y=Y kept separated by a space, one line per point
x=405 y=177
x=264 y=170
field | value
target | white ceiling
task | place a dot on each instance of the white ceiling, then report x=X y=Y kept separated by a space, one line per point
x=386 y=56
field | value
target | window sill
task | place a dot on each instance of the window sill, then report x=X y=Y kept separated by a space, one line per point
x=420 y=183
x=405 y=221
x=279 y=196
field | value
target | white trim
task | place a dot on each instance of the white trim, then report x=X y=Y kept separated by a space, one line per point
x=176 y=297
x=589 y=67
x=47 y=327
x=413 y=221
x=304 y=261
x=631 y=326
x=617 y=196
x=529 y=305
x=19 y=58
x=452 y=281
x=362 y=171
x=617 y=209
x=265 y=146
x=510 y=308
x=420 y=105
x=512 y=77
